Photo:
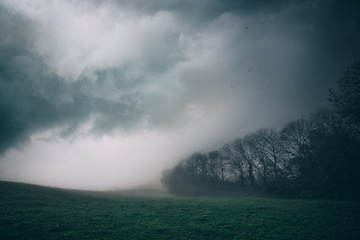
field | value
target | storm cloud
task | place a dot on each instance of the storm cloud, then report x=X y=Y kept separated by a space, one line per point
x=189 y=74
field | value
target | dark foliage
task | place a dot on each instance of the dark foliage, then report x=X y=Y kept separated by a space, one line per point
x=346 y=100
x=314 y=157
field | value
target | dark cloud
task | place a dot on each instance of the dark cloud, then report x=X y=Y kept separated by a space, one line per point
x=33 y=98
x=291 y=50
x=208 y=10
x=36 y=102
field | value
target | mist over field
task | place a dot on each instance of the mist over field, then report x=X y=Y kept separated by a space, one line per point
x=107 y=94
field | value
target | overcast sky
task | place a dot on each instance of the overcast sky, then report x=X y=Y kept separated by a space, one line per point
x=108 y=94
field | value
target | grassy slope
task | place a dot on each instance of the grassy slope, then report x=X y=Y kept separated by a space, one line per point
x=34 y=212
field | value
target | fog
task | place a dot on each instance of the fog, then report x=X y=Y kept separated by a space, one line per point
x=107 y=94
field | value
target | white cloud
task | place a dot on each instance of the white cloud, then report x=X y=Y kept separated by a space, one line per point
x=73 y=37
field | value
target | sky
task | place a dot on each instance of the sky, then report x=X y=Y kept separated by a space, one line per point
x=105 y=94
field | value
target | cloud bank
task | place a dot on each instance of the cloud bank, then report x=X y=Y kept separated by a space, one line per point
x=181 y=71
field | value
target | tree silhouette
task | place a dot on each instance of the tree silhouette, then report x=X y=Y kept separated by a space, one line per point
x=346 y=100
x=313 y=157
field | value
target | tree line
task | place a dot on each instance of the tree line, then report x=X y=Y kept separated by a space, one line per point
x=313 y=157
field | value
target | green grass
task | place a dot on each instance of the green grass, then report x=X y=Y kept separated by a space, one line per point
x=35 y=212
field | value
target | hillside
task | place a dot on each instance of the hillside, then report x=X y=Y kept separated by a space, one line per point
x=36 y=212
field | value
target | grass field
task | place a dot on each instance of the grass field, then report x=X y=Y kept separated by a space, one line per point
x=35 y=212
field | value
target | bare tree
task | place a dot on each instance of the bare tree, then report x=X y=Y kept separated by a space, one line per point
x=241 y=163
x=215 y=165
x=224 y=162
x=296 y=144
x=265 y=145
x=256 y=155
